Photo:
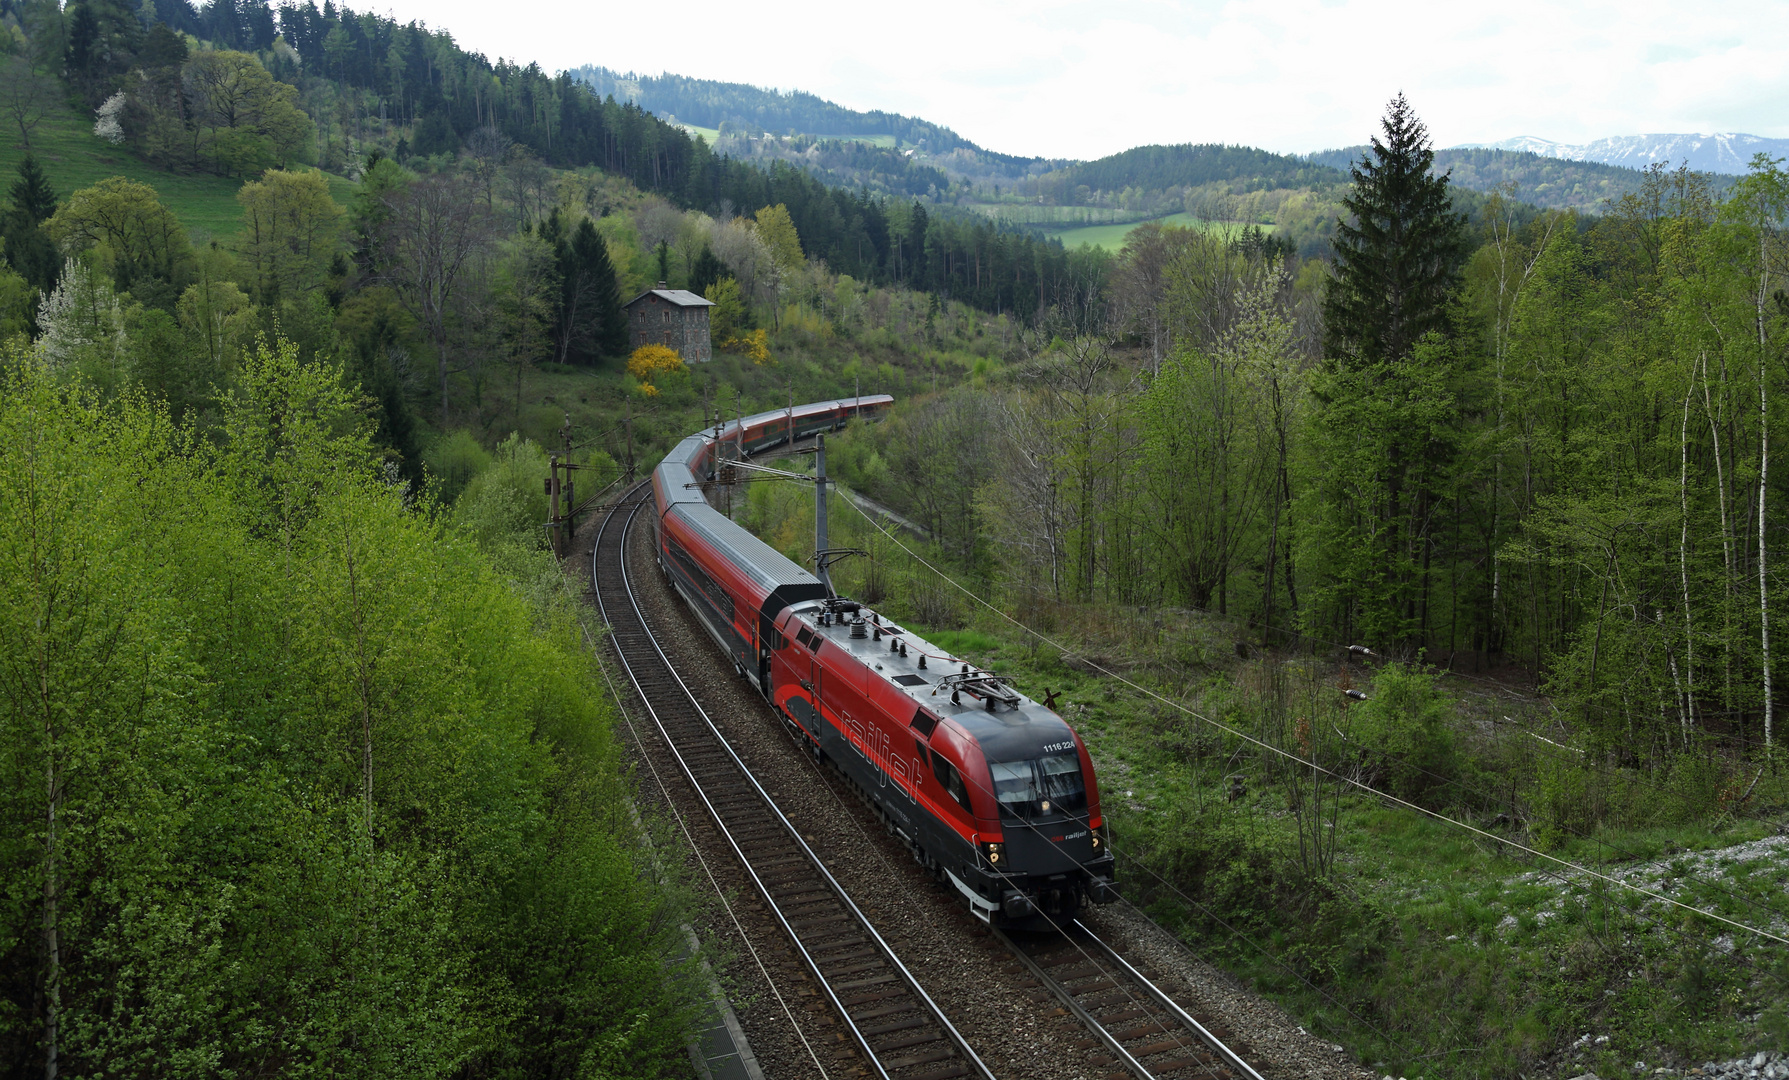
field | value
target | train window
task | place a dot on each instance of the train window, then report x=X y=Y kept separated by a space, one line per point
x=806 y=637
x=951 y=779
x=923 y=722
x=717 y=596
x=1060 y=775
x=1047 y=785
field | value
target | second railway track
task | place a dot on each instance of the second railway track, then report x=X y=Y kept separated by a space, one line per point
x=901 y=1033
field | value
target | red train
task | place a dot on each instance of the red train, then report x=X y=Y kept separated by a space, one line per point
x=993 y=791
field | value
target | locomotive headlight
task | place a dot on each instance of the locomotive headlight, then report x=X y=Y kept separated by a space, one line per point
x=995 y=853
x=1099 y=841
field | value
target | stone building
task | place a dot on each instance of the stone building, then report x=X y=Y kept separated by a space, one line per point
x=675 y=318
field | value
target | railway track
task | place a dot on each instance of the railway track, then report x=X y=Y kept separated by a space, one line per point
x=900 y=1032
x=1146 y=1034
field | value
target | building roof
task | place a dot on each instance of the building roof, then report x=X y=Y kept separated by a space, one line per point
x=680 y=297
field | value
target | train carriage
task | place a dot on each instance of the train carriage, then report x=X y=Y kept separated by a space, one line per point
x=761 y=431
x=992 y=790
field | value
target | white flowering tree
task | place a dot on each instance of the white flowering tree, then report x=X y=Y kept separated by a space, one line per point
x=82 y=326
x=109 y=127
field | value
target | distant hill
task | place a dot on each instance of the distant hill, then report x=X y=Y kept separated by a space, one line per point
x=1728 y=152
x=1194 y=165
x=1550 y=182
x=882 y=151
x=756 y=110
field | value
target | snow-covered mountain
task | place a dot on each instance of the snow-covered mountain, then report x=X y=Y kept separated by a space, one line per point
x=1722 y=152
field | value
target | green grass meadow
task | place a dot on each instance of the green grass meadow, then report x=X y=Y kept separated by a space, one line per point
x=74 y=158
x=709 y=134
x=1111 y=237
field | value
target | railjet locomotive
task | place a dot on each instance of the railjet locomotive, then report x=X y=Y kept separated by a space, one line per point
x=993 y=791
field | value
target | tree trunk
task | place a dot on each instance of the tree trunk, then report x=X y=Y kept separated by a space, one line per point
x=441 y=367
x=51 y=893
x=1763 y=484
x=1720 y=486
x=1688 y=710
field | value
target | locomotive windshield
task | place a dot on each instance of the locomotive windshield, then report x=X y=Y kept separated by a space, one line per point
x=1048 y=785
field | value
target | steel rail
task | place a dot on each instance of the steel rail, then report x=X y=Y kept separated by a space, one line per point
x=912 y=984
x=1104 y=957
x=1231 y=1057
x=1100 y=1031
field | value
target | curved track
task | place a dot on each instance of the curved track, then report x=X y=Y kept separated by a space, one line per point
x=901 y=1033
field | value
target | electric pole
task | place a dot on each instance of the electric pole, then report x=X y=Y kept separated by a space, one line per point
x=820 y=513
x=627 y=426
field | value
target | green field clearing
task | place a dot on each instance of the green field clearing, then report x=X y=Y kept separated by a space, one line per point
x=1111 y=237
x=73 y=158
x=709 y=134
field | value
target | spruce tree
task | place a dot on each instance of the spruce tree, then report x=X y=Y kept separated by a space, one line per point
x=609 y=322
x=28 y=248
x=1385 y=425
x=705 y=271
x=33 y=199
x=589 y=323
x=1399 y=249
x=916 y=245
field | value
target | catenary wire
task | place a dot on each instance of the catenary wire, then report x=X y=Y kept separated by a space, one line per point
x=1387 y=796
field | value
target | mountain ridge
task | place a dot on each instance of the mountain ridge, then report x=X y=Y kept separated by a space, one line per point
x=1727 y=152
x=907 y=156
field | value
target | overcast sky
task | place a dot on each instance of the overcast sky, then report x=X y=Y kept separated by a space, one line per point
x=1048 y=77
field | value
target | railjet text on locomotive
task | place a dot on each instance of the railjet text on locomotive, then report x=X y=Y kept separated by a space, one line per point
x=991 y=790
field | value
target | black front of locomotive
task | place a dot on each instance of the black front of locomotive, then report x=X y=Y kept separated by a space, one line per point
x=1053 y=854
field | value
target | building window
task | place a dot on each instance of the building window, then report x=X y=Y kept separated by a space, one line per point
x=642 y=337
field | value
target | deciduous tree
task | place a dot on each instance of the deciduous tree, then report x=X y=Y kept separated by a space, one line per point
x=291 y=232
x=433 y=228
x=134 y=235
x=244 y=120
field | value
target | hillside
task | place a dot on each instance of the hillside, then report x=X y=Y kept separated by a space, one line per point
x=1186 y=165
x=883 y=151
x=1552 y=183
x=73 y=158
x=756 y=110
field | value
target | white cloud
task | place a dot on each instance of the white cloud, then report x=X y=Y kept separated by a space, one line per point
x=1076 y=80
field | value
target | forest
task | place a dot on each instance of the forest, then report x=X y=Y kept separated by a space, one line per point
x=1400 y=594
x=279 y=608
x=309 y=764
x=706 y=103
x=302 y=773
x=1555 y=453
